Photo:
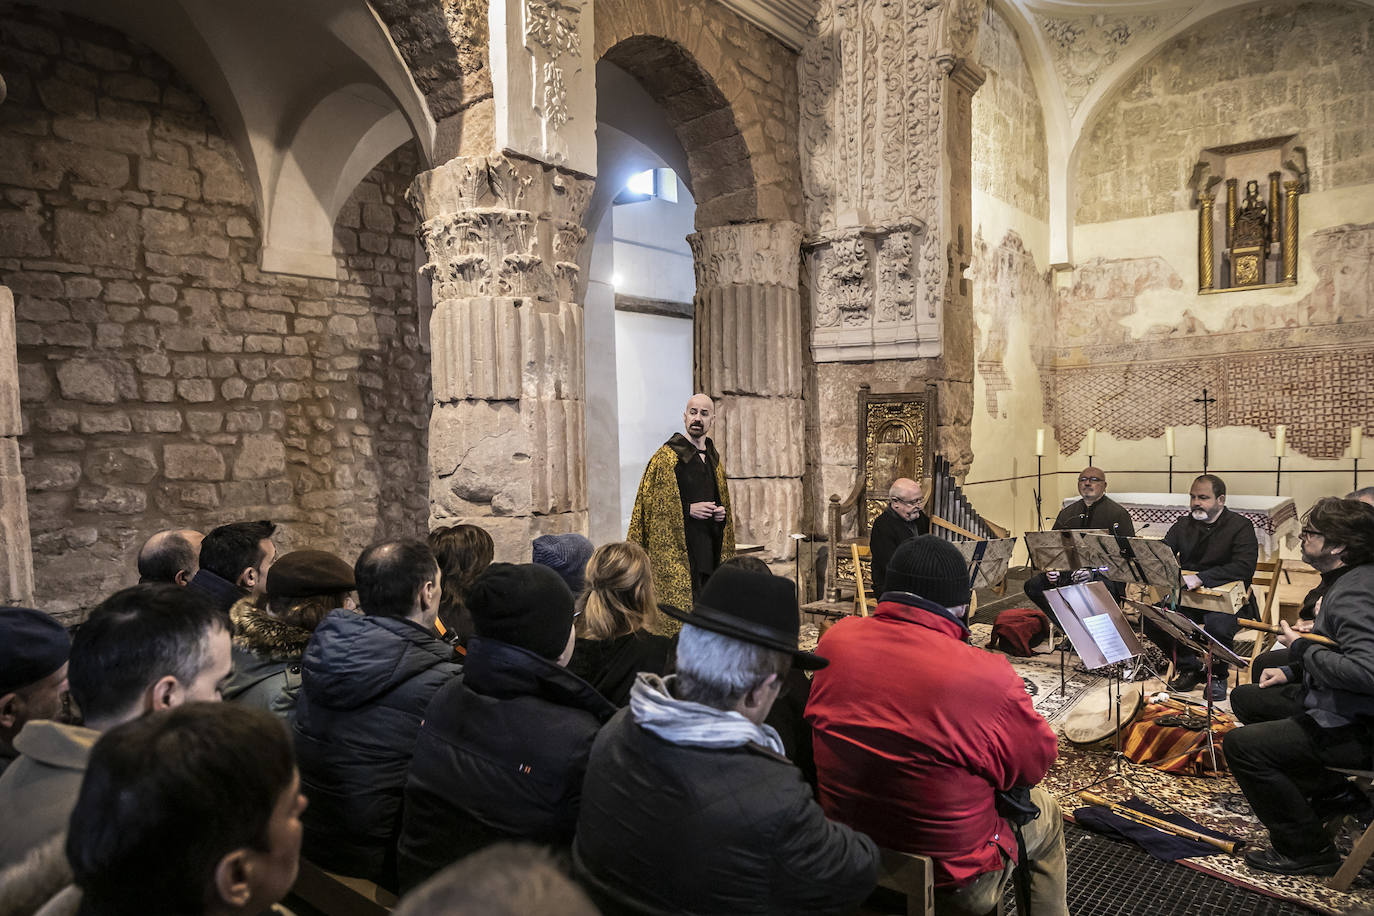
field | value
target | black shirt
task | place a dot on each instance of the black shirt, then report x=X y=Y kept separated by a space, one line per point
x=696 y=482
x=1105 y=513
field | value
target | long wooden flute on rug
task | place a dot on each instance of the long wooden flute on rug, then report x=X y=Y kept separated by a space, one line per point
x=1275 y=628
x=1131 y=814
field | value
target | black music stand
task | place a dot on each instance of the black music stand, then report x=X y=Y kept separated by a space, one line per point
x=987 y=560
x=1102 y=637
x=1057 y=551
x=1191 y=634
x=1138 y=561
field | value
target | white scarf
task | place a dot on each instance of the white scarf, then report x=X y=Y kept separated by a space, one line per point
x=691 y=724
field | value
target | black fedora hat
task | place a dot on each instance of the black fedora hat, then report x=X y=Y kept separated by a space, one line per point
x=755 y=608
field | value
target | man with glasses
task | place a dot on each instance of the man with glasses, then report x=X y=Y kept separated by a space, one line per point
x=1281 y=766
x=1215 y=546
x=1095 y=510
x=901 y=521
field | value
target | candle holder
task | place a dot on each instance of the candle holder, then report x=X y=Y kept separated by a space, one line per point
x=1039 y=487
x=1357 y=475
x=1278 y=473
x=1171 y=473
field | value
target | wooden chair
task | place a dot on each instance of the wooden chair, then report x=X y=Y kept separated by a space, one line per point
x=1364 y=846
x=912 y=875
x=1267 y=576
x=863 y=575
x=340 y=895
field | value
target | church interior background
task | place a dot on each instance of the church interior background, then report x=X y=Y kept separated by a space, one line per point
x=362 y=269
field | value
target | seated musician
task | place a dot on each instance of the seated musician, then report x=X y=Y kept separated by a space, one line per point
x=915 y=732
x=1281 y=765
x=1096 y=510
x=1215 y=546
x=901 y=521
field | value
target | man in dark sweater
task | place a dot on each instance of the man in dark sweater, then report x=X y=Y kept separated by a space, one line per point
x=1214 y=546
x=901 y=521
x=1095 y=510
x=1281 y=765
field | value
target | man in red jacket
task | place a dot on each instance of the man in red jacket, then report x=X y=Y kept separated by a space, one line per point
x=915 y=732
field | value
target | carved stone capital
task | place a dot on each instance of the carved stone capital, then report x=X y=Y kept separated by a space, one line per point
x=866 y=296
x=752 y=253
x=501 y=226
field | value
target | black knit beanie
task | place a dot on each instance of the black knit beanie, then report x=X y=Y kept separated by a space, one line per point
x=932 y=568
x=527 y=606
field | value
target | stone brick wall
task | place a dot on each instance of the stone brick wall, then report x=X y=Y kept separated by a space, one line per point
x=1010 y=158
x=164 y=379
x=1250 y=74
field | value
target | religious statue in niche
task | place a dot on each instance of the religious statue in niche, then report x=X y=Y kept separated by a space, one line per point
x=1260 y=237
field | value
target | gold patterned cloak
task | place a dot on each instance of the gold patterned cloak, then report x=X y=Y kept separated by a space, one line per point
x=656 y=524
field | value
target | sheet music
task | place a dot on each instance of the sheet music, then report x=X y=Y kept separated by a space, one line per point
x=1104 y=633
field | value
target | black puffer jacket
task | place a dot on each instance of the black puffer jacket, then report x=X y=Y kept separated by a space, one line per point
x=501 y=755
x=365 y=683
x=667 y=828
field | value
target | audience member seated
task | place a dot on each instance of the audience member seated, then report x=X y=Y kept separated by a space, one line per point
x=508 y=879
x=234 y=560
x=916 y=732
x=365 y=682
x=143 y=649
x=503 y=748
x=463 y=551
x=1363 y=494
x=171 y=556
x=189 y=812
x=689 y=805
x=1281 y=765
x=271 y=630
x=616 y=612
x=33 y=672
x=565 y=554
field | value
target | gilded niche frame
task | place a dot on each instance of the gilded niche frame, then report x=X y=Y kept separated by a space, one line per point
x=896 y=439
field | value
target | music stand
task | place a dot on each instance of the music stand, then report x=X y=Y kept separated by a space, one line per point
x=1191 y=634
x=1139 y=561
x=1102 y=637
x=987 y=560
x=1058 y=551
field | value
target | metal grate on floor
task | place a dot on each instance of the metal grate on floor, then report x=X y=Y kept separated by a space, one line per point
x=1109 y=877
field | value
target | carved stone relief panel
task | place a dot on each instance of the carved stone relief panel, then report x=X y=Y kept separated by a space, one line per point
x=543 y=80
x=765 y=253
x=1084 y=47
x=866 y=290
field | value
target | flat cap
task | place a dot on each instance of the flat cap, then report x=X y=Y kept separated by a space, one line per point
x=302 y=573
x=32 y=646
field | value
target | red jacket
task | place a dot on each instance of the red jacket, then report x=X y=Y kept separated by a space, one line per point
x=914 y=731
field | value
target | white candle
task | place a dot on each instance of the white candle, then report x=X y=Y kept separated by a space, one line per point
x=1280 y=440
x=1039 y=442
x=1169 y=441
x=1356 y=440
x=1092 y=441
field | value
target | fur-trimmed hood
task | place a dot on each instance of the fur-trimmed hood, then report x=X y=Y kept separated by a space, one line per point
x=265 y=636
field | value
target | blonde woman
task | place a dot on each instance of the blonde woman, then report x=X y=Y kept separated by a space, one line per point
x=615 y=617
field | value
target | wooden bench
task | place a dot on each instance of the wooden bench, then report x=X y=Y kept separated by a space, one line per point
x=340 y=895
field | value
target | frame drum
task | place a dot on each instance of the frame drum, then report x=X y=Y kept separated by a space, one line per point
x=1093 y=720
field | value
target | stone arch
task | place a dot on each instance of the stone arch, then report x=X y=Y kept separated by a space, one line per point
x=737 y=125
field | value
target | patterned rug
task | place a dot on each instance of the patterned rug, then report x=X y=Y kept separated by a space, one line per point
x=1215 y=803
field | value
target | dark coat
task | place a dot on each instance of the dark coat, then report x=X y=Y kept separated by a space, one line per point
x=1105 y=513
x=1224 y=551
x=610 y=665
x=501 y=756
x=365 y=683
x=674 y=829
x=1340 y=680
x=889 y=532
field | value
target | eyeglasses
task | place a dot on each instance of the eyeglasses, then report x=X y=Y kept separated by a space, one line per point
x=1310 y=533
x=1090 y=480
x=904 y=502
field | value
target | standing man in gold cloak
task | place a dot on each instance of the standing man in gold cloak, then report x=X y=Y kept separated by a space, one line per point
x=682 y=514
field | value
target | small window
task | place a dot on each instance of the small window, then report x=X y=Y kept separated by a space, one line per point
x=648 y=184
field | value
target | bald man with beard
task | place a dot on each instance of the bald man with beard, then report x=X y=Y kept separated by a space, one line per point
x=682 y=514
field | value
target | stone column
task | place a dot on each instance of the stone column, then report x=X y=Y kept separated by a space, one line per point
x=506 y=441
x=16 y=553
x=748 y=357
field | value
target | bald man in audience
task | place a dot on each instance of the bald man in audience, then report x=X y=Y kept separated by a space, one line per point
x=1095 y=510
x=902 y=520
x=1363 y=494
x=171 y=555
